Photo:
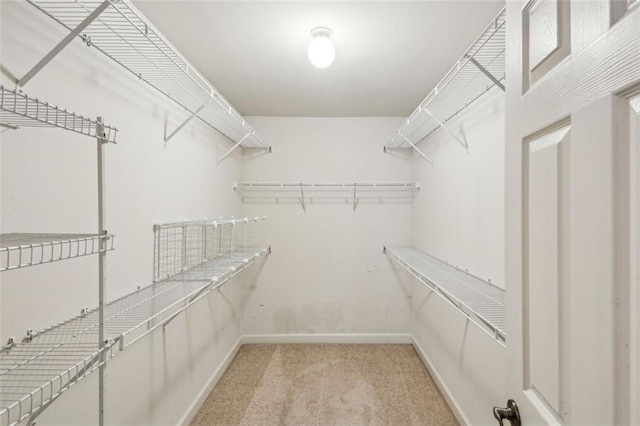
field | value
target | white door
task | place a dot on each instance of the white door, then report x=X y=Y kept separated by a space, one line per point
x=572 y=67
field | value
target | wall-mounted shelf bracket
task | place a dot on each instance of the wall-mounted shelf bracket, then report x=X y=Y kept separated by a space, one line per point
x=429 y=160
x=11 y=343
x=486 y=72
x=236 y=145
x=355 y=199
x=444 y=127
x=65 y=41
x=184 y=123
x=28 y=336
x=302 y=203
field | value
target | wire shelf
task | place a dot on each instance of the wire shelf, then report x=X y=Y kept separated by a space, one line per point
x=481 y=301
x=20 y=250
x=19 y=110
x=33 y=373
x=122 y=33
x=182 y=246
x=134 y=315
x=481 y=68
x=328 y=192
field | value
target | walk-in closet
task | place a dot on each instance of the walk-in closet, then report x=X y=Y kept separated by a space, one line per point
x=319 y=212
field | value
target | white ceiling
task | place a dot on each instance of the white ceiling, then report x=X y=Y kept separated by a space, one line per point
x=389 y=55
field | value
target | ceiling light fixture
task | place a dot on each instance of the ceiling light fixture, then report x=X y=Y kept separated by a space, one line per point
x=321 y=50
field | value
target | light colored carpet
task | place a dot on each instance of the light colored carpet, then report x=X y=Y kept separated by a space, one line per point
x=325 y=385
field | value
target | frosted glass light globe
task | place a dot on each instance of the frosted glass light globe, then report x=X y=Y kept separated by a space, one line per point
x=321 y=50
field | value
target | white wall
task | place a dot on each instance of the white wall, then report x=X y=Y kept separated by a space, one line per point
x=327 y=272
x=49 y=185
x=459 y=217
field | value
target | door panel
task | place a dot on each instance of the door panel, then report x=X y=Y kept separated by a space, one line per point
x=543 y=282
x=547 y=37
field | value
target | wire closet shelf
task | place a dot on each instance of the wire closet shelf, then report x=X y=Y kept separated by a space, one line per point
x=329 y=192
x=192 y=259
x=20 y=250
x=480 y=69
x=479 y=300
x=122 y=33
x=19 y=110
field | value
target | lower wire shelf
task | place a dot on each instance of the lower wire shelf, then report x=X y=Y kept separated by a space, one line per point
x=479 y=300
x=35 y=372
x=32 y=375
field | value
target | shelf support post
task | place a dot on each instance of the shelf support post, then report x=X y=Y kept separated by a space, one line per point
x=417 y=149
x=237 y=144
x=184 y=123
x=65 y=41
x=486 y=72
x=462 y=142
x=102 y=267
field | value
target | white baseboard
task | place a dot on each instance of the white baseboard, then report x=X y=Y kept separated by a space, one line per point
x=444 y=390
x=213 y=381
x=365 y=338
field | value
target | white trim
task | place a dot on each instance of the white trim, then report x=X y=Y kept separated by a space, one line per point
x=355 y=338
x=549 y=139
x=213 y=381
x=635 y=103
x=444 y=390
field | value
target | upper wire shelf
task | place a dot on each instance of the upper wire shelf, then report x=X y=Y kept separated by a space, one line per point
x=481 y=68
x=120 y=31
x=479 y=300
x=192 y=259
x=304 y=192
x=19 y=250
x=19 y=110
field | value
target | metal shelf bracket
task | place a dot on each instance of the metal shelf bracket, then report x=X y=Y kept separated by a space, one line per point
x=355 y=199
x=302 y=203
x=429 y=160
x=486 y=72
x=237 y=144
x=461 y=141
x=184 y=123
x=65 y=41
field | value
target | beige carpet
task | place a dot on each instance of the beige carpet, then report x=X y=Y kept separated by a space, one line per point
x=325 y=385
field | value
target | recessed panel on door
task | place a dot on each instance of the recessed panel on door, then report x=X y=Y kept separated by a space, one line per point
x=546 y=37
x=544 y=296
